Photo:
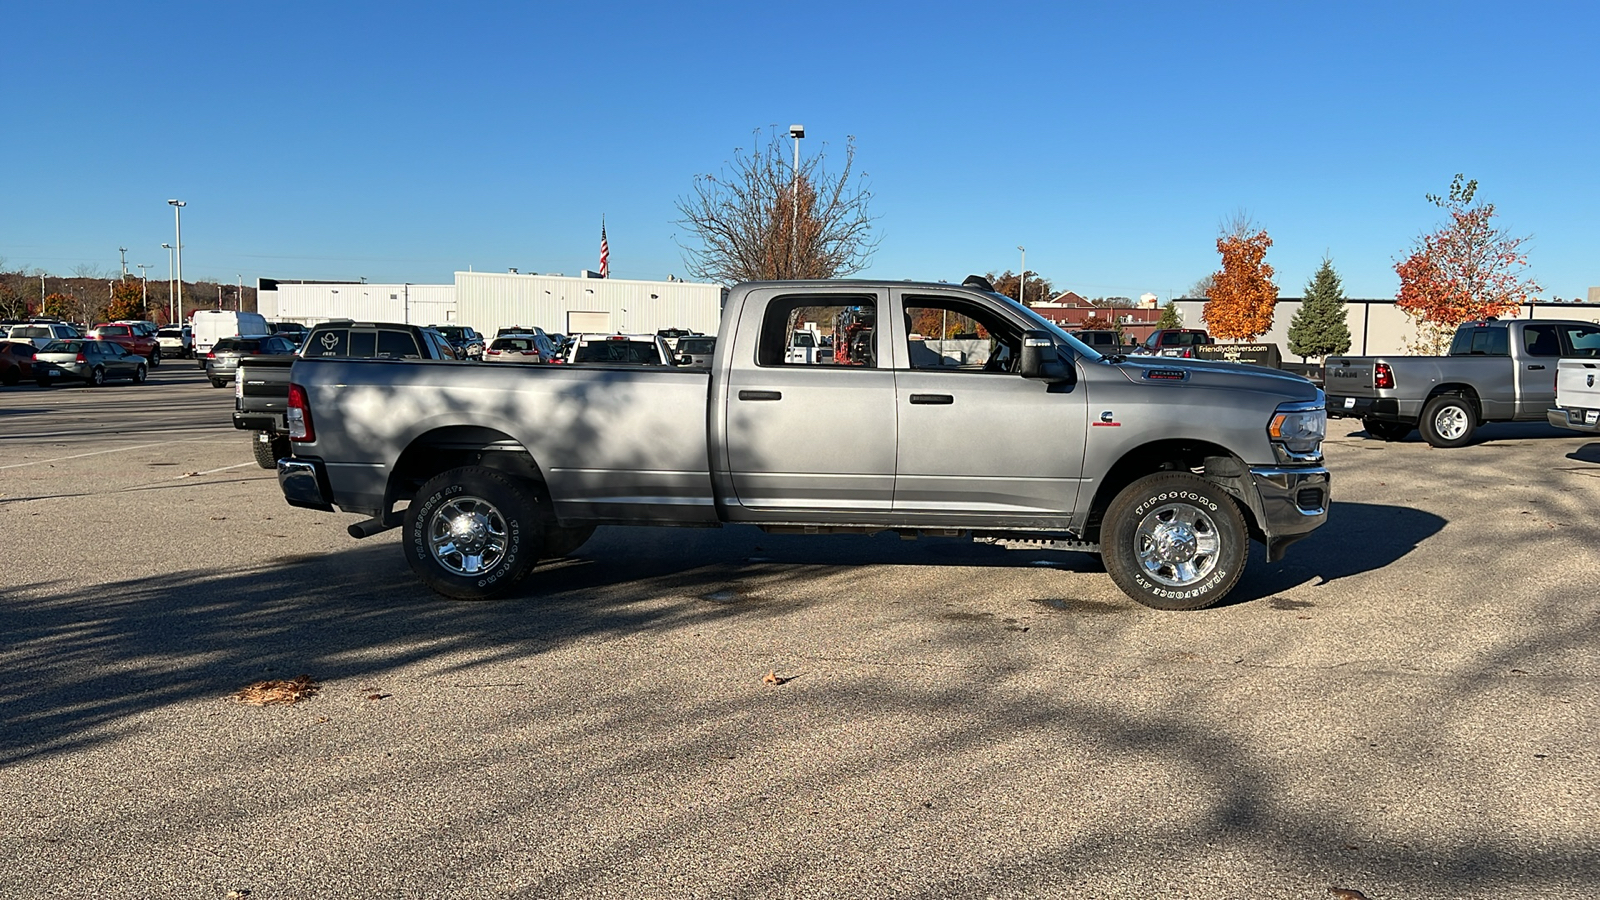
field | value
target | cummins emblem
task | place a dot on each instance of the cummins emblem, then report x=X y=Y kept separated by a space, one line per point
x=1108 y=419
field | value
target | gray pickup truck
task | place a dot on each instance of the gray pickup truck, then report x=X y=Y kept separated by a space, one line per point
x=1498 y=370
x=261 y=383
x=1004 y=429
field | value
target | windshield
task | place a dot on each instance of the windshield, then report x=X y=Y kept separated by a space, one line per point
x=1041 y=323
x=63 y=347
x=696 y=345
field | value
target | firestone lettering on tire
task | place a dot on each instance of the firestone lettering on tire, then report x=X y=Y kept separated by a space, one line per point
x=1167 y=496
x=513 y=545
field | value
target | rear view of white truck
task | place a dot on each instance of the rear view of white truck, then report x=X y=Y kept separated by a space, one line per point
x=1577 y=395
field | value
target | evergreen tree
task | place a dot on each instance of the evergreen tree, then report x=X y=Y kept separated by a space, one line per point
x=1170 y=317
x=1319 y=328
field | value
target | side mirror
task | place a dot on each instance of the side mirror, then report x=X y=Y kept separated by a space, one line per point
x=1040 y=360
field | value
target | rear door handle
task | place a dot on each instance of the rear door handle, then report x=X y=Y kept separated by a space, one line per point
x=760 y=395
x=932 y=399
x=1531 y=368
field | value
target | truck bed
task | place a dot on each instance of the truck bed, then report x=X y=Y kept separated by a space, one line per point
x=614 y=443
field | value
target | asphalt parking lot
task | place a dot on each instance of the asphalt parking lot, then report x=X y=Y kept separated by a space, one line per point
x=1405 y=706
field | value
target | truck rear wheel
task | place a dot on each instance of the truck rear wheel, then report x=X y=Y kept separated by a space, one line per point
x=474 y=533
x=268 y=451
x=1448 y=421
x=1387 y=431
x=1174 y=541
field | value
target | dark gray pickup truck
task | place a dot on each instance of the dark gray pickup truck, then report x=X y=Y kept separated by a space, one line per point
x=944 y=410
x=261 y=383
x=1498 y=370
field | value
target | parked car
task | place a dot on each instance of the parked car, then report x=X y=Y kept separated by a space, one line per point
x=1179 y=342
x=1107 y=341
x=212 y=325
x=528 y=348
x=620 y=349
x=131 y=337
x=91 y=361
x=176 y=341
x=695 y=351
x=225 y=354
x=294 y=331
x=468 y=343
x=43 y=332
x=1498 y=370
x=673 y=335
x=16 y=361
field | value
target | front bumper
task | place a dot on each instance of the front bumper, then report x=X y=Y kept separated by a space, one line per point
x=1584 y=420
x=1290 y=503
x=305 y=484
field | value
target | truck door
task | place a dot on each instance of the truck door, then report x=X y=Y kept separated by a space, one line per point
x=811 y=431
x=976 y=438
x=1536 y=374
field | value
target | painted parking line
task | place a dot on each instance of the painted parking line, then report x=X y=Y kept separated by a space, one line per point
x=41 y=462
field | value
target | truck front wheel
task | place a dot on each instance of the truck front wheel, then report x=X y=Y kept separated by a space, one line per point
x=1448 y=421
x=1174 y=541
x=473 y=533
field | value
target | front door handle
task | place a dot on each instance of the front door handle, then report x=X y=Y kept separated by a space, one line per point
x=760 y=395
x=1532 y=368
x=932 y=399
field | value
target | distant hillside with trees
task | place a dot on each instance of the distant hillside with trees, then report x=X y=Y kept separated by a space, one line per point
x=90 y=296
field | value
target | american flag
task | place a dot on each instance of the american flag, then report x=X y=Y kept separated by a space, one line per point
x=605 y=251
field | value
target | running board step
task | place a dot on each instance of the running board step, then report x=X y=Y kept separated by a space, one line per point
x=1043 y=543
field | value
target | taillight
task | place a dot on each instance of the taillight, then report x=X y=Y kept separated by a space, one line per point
x=81 y=357
x=211 y=354
x=298 y=416
x=1383 y=377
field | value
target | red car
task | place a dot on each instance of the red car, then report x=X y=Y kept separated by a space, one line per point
x=16 y=361
x=131 y=338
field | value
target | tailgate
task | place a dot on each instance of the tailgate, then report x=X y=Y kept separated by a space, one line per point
x=1347 y=378
x=1578 y=384
x=263 y=383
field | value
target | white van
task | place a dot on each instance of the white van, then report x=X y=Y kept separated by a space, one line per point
x=208 y=326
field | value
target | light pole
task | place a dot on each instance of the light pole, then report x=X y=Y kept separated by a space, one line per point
x=172 y=317
x=797 y=132
x=124 y=252
x=1022 y=277
x=144 y=287
x=177 y=242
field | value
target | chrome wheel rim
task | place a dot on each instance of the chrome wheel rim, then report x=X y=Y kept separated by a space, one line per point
x=1450 y=422
x=1177 y=544
x=467 y=536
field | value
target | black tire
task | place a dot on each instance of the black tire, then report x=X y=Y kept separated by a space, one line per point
x=12 y=376
x=507 y=522
x=155 y=358
x=1198 y=521
x=1448 y=421
x=140 y=374
x=268 y=452
x=42 y=382
x=218 y=382
x=1387 y=431
x=559 y=542
x=97 y=377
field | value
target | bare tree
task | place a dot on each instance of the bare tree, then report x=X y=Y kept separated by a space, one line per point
x=758 y=220
x=88 y=270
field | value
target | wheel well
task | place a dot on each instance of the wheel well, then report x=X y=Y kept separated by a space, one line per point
x=1464 y=391
x=459 y=445
x=1170 y=456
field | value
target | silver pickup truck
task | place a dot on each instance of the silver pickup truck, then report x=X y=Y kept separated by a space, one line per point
x=944 y=410
x=1498 y=370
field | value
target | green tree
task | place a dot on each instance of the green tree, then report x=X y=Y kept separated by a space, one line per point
x=1320 y=328
x=1170 y=317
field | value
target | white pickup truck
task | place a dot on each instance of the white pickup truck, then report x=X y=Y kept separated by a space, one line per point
x=1577 y=395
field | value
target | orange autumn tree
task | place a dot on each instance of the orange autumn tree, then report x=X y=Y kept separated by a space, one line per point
x=1242 y=295
x=1466 y=269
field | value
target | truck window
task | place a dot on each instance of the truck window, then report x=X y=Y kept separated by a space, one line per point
x=1541 y=340
x=955 y=336
x=1480 y=342
x=329 y=342
x=397 y=345
x=1584 y=339
x=848 y=327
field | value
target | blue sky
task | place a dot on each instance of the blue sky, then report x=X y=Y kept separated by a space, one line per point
x=402 y=141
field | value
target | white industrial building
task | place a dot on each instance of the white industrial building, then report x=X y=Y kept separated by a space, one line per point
x=489 y=301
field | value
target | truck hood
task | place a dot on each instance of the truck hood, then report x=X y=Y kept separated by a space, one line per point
x=1216 y=373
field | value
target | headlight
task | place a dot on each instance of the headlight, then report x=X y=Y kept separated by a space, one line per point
x=1297 y=430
